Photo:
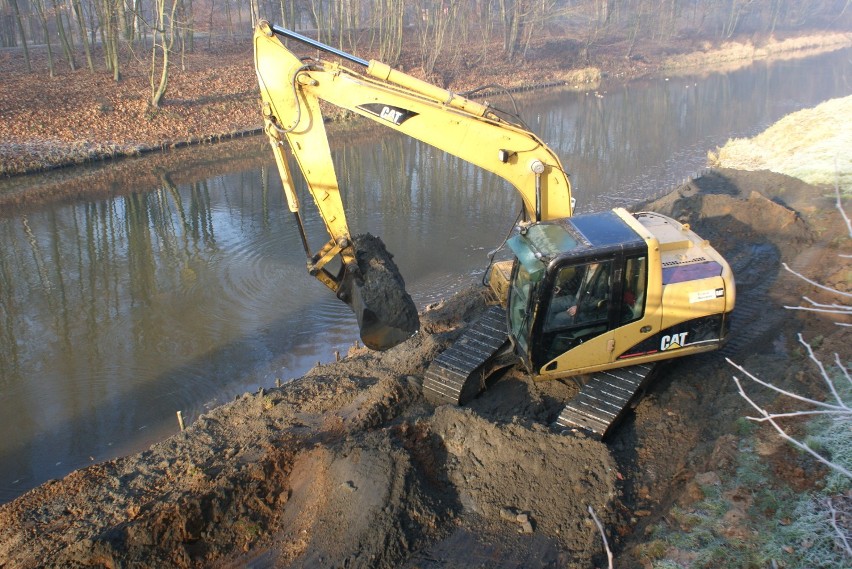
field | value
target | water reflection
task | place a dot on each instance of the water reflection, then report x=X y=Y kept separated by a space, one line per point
x=184 y=285
x=622 y=145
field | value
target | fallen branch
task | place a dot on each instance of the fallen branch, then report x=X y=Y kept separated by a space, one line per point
x=603 y=537
x=837 y=529
x=839 y=410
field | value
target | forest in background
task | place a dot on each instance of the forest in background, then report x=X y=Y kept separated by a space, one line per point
x=70 y=30
x=86 y=80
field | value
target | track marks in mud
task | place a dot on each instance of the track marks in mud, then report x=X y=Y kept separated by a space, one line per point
x=754 y=233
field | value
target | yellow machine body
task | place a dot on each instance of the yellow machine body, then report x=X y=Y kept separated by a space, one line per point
x=686 y=289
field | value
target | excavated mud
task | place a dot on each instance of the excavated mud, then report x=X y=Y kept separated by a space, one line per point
x=349 y=466
x=386 y=313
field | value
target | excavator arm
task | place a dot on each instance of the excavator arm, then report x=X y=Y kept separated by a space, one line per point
x=291 y=90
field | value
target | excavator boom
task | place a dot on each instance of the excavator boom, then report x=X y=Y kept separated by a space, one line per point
x=292 y=89
x=291 y=86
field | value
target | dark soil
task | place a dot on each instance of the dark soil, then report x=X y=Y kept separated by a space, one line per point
x=350 y=466
x=386 y=313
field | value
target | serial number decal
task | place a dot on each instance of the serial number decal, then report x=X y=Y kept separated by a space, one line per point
x=705 y=295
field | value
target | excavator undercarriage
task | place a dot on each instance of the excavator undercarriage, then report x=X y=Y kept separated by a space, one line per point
x=460 y=373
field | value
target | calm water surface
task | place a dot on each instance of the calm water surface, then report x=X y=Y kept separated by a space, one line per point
x=165 y=295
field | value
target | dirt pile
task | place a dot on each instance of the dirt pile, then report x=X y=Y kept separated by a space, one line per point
x=346 y=467
x=350 y=466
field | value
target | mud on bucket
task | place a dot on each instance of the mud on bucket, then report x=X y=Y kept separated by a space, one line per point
x=386 y=314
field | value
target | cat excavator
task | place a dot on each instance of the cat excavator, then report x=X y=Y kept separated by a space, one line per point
x=601 y=296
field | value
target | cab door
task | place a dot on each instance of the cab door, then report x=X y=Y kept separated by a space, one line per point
x=577 y=323
x=613 y=313
x=639 y=316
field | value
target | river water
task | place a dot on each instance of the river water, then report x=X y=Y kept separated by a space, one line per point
x=181 y=285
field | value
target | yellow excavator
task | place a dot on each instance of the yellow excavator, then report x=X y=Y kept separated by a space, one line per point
x=602 y=295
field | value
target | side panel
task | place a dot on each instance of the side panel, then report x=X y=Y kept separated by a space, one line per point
x=689 y=300
x=700 y=334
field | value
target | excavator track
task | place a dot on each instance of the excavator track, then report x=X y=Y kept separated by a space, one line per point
x=458 y=374
x=603 y=399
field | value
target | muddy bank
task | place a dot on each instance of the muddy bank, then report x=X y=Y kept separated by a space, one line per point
x=347 y=466
x=350 y=466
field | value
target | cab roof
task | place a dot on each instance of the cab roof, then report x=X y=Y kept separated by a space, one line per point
x=538 y=244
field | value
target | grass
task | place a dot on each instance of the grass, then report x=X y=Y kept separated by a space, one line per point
x=748 y=51
x=803 y=144
x=792 y=529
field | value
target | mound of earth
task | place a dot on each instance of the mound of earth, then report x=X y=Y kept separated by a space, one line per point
x=349 y=466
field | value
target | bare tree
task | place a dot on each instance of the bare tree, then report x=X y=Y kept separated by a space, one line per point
x=435 y=29
x=387 y=26
x=110 y=28
x=40 y=8
x=164 y=29
x=64 y=38
x=77 y=7
x=20 y=25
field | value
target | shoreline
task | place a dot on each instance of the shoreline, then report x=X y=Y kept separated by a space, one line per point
x=194 y=120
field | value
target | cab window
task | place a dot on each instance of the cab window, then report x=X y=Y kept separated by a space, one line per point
x=579 y=307
x=580 y=295
x=633 y=289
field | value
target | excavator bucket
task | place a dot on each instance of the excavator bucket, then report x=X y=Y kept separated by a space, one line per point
x=376 y=293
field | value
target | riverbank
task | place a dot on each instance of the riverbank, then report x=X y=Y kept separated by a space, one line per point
x=80 y=117
x=351 y=466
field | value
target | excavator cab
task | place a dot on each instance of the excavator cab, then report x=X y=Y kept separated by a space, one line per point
x=575 y=281
x=587 y=294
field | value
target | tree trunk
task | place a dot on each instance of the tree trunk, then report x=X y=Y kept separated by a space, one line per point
x=511 y=15
x=210 y=24
x=166 y=27
x=189 y=25
x=23 y=35
x=108 y=20
x=63 y=37
x=391 y=21
x=434 y=30
x=84 y=37
x=43 y=19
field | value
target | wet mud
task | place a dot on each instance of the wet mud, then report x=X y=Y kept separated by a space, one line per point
x=386 y=312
